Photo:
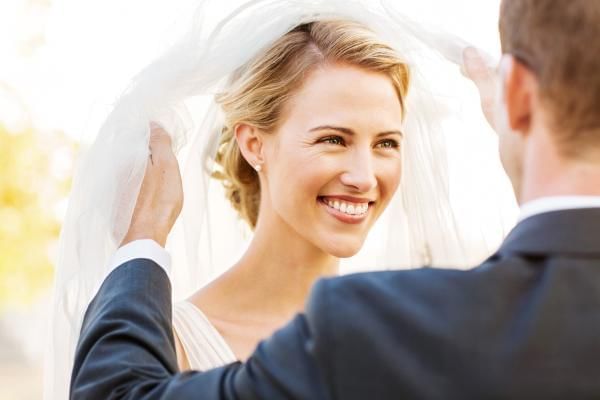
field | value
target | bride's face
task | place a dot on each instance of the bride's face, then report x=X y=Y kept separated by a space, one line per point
x=334 y=163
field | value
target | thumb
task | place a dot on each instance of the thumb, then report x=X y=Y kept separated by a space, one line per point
x=160 y=141
x=159 y=134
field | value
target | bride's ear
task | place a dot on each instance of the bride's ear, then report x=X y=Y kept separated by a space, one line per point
x=249 y=140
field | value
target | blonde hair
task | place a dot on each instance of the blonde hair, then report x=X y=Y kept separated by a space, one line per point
x=260 y=90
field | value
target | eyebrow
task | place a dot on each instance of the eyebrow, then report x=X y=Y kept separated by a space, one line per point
x=350 y=132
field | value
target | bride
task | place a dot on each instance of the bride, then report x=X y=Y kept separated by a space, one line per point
x=319 y=111
x=310 y=156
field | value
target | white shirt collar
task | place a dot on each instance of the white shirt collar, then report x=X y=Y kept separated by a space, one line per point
x=556 y=203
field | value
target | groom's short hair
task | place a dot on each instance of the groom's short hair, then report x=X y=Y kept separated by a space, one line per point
x=559 y=40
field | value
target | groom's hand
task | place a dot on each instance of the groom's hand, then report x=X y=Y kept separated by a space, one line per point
x=161 y=195
x=485 y=78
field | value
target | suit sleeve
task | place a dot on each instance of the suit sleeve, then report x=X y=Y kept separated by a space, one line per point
x=126 y=349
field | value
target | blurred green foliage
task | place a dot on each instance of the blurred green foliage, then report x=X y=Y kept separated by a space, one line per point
x=35 y=173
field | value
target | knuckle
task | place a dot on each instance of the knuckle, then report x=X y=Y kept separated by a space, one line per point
x=158 y=133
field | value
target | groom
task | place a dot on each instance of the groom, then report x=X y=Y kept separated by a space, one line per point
x=525 y=324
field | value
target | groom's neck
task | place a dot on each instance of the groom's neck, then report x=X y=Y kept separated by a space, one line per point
x=548 y=171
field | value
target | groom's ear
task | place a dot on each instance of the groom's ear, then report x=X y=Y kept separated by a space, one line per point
x=520 y=93
x=249 y=140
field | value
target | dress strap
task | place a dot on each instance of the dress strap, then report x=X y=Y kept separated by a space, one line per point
x=204 y=346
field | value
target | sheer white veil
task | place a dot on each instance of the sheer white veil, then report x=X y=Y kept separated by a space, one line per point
x=418 y=228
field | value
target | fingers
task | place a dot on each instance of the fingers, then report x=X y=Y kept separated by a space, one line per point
x=484 y=78
x=159 y=138
x=159 y=144
x=478 y=71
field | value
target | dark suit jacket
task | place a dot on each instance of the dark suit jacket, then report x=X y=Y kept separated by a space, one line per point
x=524 y=325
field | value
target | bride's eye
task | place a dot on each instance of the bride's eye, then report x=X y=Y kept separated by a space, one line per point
x=388 y=144
x=337 y=140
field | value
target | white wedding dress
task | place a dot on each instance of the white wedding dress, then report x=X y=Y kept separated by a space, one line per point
x=203 y=345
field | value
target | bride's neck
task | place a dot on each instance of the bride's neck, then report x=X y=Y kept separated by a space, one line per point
x=281 y=266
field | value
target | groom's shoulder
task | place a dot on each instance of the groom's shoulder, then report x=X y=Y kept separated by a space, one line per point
x=354 y=310
x=434 y=289
x=395 y=283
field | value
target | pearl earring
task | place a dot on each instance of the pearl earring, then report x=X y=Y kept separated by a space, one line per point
x=257 y=167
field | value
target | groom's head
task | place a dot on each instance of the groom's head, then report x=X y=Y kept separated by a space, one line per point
x=550 y=91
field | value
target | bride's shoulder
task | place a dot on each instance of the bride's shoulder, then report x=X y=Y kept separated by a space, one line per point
x=203 y=310
x=198 y=342
x=217 y=299
x=191 y=314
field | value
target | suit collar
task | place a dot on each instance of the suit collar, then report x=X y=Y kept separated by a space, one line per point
x=574 y=231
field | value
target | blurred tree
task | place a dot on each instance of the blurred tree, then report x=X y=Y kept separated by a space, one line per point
x=35 y=172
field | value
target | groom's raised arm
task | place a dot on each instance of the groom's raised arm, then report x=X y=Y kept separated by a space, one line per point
x=126 y=350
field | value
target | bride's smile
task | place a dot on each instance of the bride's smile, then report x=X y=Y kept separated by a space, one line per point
x=347 y=209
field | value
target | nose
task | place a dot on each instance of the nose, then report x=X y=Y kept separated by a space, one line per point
x=360 y=174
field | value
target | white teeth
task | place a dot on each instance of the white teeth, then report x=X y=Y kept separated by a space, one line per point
x=348 y=208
